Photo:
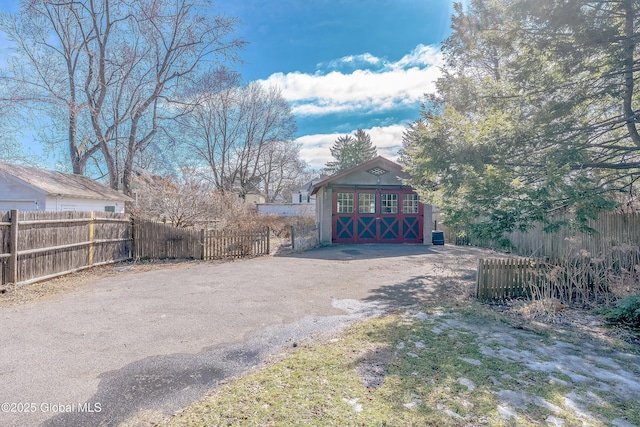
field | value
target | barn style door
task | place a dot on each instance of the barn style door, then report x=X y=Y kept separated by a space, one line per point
x=377 y=215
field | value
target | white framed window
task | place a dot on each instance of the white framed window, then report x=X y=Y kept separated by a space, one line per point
x=367 y=202
x=410 y=203
x=389 y=203
x=345 y=203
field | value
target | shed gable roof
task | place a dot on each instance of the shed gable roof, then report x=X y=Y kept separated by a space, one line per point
x=52 y=183
x=370 y=164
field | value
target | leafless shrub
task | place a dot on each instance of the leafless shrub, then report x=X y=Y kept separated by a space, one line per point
x=586 y=280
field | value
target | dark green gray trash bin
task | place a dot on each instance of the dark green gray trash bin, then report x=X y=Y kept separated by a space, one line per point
x=437 y=237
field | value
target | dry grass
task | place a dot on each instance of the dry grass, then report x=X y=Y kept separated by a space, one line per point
x=433 y=365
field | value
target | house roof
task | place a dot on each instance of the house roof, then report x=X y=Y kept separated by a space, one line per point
x=64 y=184
x=363 y=166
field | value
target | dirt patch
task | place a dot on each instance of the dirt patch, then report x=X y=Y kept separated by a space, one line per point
x=372 y=367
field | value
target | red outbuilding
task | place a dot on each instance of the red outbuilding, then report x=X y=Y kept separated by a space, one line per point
x=370 y=204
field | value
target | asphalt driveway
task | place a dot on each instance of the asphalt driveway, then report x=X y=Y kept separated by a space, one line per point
x=153 y=342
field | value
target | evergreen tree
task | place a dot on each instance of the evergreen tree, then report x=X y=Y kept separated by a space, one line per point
x=536 y=114
x=349 y=151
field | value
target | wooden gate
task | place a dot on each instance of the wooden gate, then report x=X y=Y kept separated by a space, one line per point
x=219 y=244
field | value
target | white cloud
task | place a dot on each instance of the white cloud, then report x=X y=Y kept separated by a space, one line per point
x=315 y=148
x=395 y=85
x=420 y=56
x=365 y=59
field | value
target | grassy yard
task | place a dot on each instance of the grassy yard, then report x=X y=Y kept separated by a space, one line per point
x=433 y=365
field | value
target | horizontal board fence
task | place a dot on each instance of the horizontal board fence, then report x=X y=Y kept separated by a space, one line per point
x=41 y=245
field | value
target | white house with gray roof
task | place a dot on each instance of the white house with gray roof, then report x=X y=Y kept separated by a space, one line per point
x=32 y=189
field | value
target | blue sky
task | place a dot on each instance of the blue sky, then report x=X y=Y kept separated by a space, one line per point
x=345 y=64
x=342 y=64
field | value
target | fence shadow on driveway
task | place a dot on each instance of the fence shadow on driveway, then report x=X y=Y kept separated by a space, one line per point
x=425 y=288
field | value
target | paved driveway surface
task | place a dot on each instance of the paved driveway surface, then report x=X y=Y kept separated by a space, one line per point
x=153 y=342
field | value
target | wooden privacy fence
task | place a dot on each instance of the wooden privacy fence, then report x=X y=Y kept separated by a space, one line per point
x=41 y=245
x=235 y=243
x=157 y=240
x=505 y=278
x=610 y=231
x=580 y=279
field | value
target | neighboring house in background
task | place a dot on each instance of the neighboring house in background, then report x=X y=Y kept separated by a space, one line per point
x=369 y=203
x=32 y=189
x=303 y=194
x=302 y=203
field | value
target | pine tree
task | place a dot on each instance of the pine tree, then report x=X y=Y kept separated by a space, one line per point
x=349 y=151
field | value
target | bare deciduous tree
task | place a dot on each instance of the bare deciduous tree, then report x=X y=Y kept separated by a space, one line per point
x=238 y=131
x=281 y=169
x=121 y=64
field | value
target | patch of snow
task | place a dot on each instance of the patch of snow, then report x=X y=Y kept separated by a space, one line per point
x=555 y=380
x=571 y=401
x=507 y=412
x=415 y=356
x=554 y=421
x=419 y=344
x=449 y=412
x=467 y=383
x=487 y=351
x=415 y=402
x=353 y=306
x=521 y=400
x=421 y=316
x=354 y=404
x=622 y=423
x=400 y=346
x=474 y=362
x=453 y=414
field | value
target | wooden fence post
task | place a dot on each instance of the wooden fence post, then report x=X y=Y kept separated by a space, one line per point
x=268 y=240
x=293 y=239
x=203 y=246
x=91 y=235
x=13 y=247
x=479 y=280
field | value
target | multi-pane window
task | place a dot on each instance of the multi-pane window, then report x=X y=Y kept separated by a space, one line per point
x=389 y=203
x=345 y=203
x=410 y=203
x=367 y=203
